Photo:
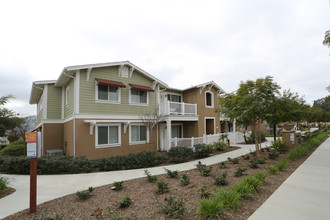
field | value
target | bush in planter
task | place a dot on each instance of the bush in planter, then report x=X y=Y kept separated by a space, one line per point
x=220 y=145
x=14 y=149
x=14 y=165
x=280 y=146
x=202 y=150
x=180 y=154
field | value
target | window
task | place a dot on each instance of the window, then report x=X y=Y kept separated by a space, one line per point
x=67 y=95
x=107 y=136
x=139 y=96
x=176 y=131
x=138 y=134
x=209 y=99
x=111 y=93
x=174 y=98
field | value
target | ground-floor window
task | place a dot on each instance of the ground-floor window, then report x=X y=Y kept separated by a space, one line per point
x=176 y=131
x=108 y=135
x=138 y=134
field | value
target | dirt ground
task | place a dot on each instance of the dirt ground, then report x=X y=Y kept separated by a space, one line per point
x=104 y=201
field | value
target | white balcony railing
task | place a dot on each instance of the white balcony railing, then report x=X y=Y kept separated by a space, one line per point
x=178 y=108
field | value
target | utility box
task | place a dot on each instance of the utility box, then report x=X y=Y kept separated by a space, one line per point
x=291 y=138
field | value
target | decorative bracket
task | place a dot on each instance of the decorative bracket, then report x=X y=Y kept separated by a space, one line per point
x=126 y=124
x=91 y=127
x=154 y=83
x=131 y=72
x=88 y=73
x=201 y=89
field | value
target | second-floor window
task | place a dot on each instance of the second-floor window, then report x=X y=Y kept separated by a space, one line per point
x=67 y=95
x=110 y=93
x=209 y=100
x=139 y=96
x=173 y=98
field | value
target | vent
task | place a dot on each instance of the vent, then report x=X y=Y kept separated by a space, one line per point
x=54 y=152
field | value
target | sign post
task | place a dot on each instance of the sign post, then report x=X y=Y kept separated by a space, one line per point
x=31 y=153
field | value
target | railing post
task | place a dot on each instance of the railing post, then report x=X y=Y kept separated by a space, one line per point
x=192 y=142
x=175 y=141
x=195 y=109
x=183 y=105
x=204 y=138
x=168 y=108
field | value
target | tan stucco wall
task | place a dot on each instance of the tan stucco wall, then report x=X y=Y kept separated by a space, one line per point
x=194 y=96
x=85 y=143
x=53 y=136
x=68 y=137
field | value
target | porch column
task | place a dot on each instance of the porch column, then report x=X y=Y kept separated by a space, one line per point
x=169 y=134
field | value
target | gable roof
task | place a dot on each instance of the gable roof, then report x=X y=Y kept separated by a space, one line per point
x=37 y=89
x=69 y=71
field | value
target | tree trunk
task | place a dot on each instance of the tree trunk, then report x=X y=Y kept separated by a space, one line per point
x=274 y=132
x=256 y=139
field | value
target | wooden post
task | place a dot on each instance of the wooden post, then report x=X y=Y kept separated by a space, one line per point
x=33 y=185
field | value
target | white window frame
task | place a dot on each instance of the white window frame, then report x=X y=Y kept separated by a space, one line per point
x=67 y=95
x=212 y=99
x=107 y=145
x=174 y=94
x=138 y=103
x=107 y=101
x=138 y=142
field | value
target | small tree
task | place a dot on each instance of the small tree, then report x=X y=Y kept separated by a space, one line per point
x=8 y=118
x=251 y=103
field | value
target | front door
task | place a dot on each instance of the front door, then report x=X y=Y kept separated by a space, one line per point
x=163 y=137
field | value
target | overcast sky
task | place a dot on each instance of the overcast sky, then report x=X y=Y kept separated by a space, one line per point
x=182 y=43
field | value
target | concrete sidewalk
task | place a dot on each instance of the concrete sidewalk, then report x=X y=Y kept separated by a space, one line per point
x=305 y=194
x=50 y=187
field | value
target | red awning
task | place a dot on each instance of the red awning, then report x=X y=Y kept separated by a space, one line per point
x=110 y=83
x=139 y=87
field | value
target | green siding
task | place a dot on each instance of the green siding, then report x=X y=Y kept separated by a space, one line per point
x=39 y=117
x=68 y=109
x=88 y=105
x=54 y=102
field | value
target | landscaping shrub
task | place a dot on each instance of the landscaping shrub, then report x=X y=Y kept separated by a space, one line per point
x=83 y=195
x=272 y=155
x=131 y=161
x=125 y=202
x=3 y=183
x=221 y=179
x=243 y=188
x=235 y=160
x=205 y=192
x=185 y=180
x=170 y=173
x=282 y=164
x=223 y=165
x=210 y=207
x=220 y=145
x=272 y=169
x=162 y=187
x=14 y=165
x=180 y=154
x=280 y=146
x=239 y=172
x=150 y=177
x=118 y=185
x=14 y=149
x=246 y=157
x=172 y=207
x=202 y=150
x=205 y=171
x=254 y=163
x=229 y=198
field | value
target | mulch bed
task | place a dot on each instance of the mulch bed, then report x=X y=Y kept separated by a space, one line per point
x=144 y=206
x=6 y=192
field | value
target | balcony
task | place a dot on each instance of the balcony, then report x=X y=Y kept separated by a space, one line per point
x=178 y=108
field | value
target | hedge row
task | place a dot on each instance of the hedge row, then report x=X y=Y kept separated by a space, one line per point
x=67 y=164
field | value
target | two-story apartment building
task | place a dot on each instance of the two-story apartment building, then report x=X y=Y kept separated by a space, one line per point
x=95 y=110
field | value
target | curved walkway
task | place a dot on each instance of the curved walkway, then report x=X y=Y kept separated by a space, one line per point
x=305 y=194
x=50 y=187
